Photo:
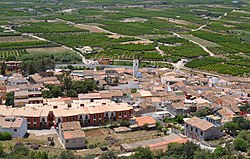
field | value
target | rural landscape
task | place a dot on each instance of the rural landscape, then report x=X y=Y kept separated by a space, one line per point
x=124 y=79
x=213 y=36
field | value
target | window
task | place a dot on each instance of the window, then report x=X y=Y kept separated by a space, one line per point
x=107 y=114
x=34 y=119
x=186 y=126
x=125 y=113
x=28 y=119
x=67 y=119
x=196 y=130
x=80 y=117
x=59 y=120
x=67 y=141
x=73 y=119
x=191 y=128
x=201 y=133
x=100 y=116
x=94 y=117
x=43 y=119
x=120 y=114
x=15 y=130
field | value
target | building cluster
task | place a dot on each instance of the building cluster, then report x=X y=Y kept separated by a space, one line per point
x=144 y=97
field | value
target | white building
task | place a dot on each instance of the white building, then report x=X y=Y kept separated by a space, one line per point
x=135 y=67
x=14 y=125
x=71 y=135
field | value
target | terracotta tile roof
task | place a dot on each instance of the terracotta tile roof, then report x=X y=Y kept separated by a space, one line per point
x=73 y=134
x=157 y=143
x=199 y=123
x=141 y=121
x=11 y=122
x=226 y=112
x=68 y=126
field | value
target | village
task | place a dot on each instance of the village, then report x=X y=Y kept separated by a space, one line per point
x=126 y=109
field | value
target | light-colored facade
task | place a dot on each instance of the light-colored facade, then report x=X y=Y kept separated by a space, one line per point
x=200 y=129
x=71 y=135
x=16 y=126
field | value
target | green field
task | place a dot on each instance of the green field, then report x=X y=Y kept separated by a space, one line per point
x=225 y=30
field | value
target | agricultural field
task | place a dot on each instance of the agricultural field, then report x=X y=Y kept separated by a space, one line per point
x=6 y=39
x=47 y=27
x=224 y=66
x=134 y=29
x=199 y=40
x=12 y=55
x=48 y=50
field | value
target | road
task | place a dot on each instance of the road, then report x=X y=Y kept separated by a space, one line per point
x=161 y=52
x=64 y=46
x=203 y=47
x=199 y=28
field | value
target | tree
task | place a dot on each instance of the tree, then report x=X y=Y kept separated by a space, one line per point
x=1 y=149
x=244 y=134
x=84 y=86
x=133 y=90
x=67 y=84
x=203 y=112
x=9 y=99
x=3 y=68
x=202 y=154
x=70 y=67
x=46 y=94
x=240 y=144
x=189 y=149
x=56 y=91
x=72 y=93
x=5 y=136
x=219 y=152
x=143 y=153
x=108 y=155
x=11 y=58
x=68 y=155
x=179 y=119
x=231 y=128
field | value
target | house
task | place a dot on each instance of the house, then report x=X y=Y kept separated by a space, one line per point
x=16 y=79
x=225 y=114
x=13 y=65
x=45 y=78
x=15 y=125
x=145 y=94
x=21 y=98
x=177 y=108
x=156 y=101
x=213 y=119
x=155 y=144
x=159 y=115
x=71 y=135
x=201 y=129
x=143 y=122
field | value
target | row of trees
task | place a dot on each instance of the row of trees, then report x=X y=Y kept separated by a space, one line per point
x=69 y=88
